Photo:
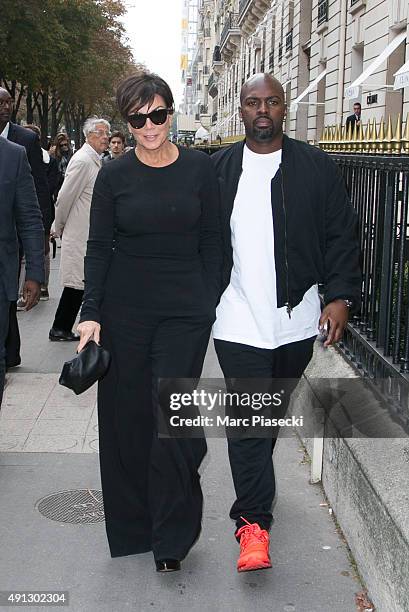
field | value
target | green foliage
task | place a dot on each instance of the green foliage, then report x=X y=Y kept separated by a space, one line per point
x=66 y=53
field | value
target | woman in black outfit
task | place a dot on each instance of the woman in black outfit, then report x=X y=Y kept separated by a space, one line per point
x=152 y=279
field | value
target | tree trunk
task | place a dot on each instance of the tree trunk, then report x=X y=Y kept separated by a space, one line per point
x=30 y=106
x=56 y=104
x=44 y=118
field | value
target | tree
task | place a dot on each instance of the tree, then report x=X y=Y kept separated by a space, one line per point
x=61 y=59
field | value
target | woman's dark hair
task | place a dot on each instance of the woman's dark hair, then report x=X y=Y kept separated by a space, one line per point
x=61 y=137
x=140 y=89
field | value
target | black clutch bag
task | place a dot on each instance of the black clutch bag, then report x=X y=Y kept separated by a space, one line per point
x=90 y=365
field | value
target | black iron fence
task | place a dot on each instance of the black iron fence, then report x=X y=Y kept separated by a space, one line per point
x=377 y=340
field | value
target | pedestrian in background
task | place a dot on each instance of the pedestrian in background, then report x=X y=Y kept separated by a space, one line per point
x=51 y=170
x=72 y=224
x=116 y=144
x=152 y=281
x=61 y=151
x=19 y=215
x=30 y=141
x=354 y=119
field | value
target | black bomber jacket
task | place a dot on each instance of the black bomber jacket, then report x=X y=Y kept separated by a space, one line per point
x=315 y=225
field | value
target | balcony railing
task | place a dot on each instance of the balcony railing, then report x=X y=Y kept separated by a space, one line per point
x=231 y=24
x=243 y=5
x=212 y=82
x=322 y=11
x=289 y=41
x=217 y=57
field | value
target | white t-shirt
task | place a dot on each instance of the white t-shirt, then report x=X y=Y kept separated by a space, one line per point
x=247 y=312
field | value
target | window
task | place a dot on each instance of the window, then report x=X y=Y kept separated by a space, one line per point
x=322 y=11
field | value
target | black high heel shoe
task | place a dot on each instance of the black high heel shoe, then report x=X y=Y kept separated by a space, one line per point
x=167 y=565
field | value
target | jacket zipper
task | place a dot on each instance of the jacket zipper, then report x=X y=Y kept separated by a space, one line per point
x=287 y=303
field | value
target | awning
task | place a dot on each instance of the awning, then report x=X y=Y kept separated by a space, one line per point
x=402 y=77
x=201 y=133
x=311 y=87
x=353 y=90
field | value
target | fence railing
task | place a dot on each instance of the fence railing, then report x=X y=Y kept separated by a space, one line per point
x=377 y=340
x=374 y=160
x=370 y=138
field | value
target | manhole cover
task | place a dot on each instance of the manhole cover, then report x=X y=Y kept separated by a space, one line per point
x=78 y=506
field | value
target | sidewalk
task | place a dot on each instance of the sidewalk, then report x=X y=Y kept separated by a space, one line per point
x=48 y=439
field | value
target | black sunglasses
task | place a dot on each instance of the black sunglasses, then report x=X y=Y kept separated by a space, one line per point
x=158 y=117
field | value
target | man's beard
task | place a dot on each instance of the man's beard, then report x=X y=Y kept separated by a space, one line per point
x=263 y=134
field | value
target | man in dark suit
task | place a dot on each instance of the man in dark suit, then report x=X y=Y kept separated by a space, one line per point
x=30 y=141
x=19 y=214
x=354 y=119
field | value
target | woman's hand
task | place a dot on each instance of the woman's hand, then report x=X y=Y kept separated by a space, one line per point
x=88 y=330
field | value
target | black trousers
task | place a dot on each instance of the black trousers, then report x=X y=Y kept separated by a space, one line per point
x=151 y=485
x=68 y=309
x=4 y=325
x=251 y=459
x=13 y=341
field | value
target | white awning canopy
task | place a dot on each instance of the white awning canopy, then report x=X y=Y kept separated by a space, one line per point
x=402 y=77
x=201 y=133
x=353 y=90
x=311 y=87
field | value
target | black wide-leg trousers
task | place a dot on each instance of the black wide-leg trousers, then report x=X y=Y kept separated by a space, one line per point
x=251 y=459
x=151 y=485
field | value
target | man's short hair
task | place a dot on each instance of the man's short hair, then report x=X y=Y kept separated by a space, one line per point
x=91 y=123
x=140 y=89
x=33 y=128
x=117 y=134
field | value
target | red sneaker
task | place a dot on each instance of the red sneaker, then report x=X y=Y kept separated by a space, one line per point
x=254 y=543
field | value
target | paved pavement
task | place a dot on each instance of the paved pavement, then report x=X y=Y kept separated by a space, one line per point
x=48 y=444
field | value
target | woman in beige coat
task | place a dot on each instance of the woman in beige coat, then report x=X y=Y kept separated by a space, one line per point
x=72 y=224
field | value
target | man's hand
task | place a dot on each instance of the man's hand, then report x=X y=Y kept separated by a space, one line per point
x=31 y=293
x=53 y=233
x=335 y=316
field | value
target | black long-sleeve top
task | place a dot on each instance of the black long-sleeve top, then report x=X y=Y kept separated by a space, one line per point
x=170 y=213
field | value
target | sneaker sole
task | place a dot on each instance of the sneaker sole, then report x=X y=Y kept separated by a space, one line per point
x=63 y=339
x=251 y=562
x=255 y=567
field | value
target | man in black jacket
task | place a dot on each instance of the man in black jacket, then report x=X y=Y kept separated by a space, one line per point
x=288 y=226
x=30 y=141
x=19 y=214
x=355 y=119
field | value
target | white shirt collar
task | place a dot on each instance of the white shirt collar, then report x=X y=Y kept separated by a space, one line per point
x=5 y=132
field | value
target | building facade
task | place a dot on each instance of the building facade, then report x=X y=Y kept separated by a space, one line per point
x=327 y=54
